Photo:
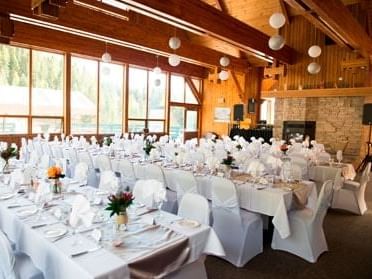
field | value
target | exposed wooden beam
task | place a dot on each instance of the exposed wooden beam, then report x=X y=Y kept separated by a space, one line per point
x=206 y=19
x=221 y=5
x=6 y=27
x=140 y=32
x=35 y=3
x=198 y=96
x=45 y=9
x=238 y=86
x=50 y=39
x=285 y=12
x=337 y=17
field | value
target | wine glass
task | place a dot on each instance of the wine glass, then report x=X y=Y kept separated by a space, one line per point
x=40 y=201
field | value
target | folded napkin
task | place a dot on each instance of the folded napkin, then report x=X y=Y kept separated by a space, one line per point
x=109 y=182
x=256 y=168
x=81 y=212
x=149 y=192
x=212 y=162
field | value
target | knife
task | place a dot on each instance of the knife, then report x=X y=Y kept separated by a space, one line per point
x=43 y=225
x=18 y=205
x=85 y=252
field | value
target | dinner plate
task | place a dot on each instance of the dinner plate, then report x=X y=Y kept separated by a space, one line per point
x=7 y=196
x=26 y=212
x=187 y=223
x=55 y=232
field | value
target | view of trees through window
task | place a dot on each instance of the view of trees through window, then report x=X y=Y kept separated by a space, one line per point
x=32 y=92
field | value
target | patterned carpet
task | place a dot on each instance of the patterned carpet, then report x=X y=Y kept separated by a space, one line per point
x=349 y=240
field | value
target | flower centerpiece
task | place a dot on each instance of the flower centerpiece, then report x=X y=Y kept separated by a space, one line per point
x=107 y=141
x=8 y=153
x=227 y=162
x=54 y=174
x=284 y=148
x=118 y=205
x=239 y=147
x=148 y=146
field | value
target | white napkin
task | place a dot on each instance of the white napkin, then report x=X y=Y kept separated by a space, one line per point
x=109 y=182
x=256 y=168
x=81 y=212
x=154 y=154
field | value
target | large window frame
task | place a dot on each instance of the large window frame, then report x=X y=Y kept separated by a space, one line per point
x=65 y=118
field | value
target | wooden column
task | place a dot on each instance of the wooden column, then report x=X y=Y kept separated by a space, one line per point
x=67 y=99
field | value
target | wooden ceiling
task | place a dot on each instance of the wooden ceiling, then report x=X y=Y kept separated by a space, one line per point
x=208 y=29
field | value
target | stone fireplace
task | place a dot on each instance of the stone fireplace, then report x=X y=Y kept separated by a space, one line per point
x=305 y=128
x=338 y=120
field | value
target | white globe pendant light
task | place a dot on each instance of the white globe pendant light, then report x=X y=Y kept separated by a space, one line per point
x=224 y=61
x=277 y=20
x=313 y=68
x=174 y=42
x=157 y=70
x=223 y=75
x=106 y=57
x=314 y=51
x=174 y=60
x=276 y=42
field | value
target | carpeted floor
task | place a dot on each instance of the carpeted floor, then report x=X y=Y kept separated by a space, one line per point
x=349 y=240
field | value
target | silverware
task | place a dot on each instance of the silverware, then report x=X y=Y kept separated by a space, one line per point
x=60 y=237
x=18 y=205
x=86 y=252
x=43 y=225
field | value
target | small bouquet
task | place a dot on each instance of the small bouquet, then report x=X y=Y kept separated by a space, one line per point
x=107 y=141
x=9 y=152
x=119 y=202
x=55 y=173
x=284 y=148
x=148 y=146
x=228 y=160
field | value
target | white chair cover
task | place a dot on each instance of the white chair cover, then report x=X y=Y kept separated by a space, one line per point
x=350 y=196
x=185 y=183
x=109 y=182
x=103 y=162
x=84 y=156
x=81 y=173
x=195 y=207
x=239 y=231
x=149 y=192
x=307 y=239
x=126 y=170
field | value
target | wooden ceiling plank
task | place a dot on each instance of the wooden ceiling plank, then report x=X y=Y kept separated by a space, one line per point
x=137 y=33
x=336 y=15
x=30 y=35
x=203 y=17
x=285 y=12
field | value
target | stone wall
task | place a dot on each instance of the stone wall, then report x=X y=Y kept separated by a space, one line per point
x=338 y=120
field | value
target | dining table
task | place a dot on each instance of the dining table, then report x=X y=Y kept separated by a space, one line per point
x=153 y=243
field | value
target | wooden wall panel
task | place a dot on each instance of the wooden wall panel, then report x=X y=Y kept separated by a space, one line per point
x=215 y=92
x=300 y=35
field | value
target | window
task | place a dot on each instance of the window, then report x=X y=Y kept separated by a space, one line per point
x=267 y=110
x=45 y=125
x=84 y=80
x=47 y=83
x=191 y=120
x=110 y=98
x=13 y=125
x=14 y=80
x=177 y=122
x=177 y=89
x=146 y=100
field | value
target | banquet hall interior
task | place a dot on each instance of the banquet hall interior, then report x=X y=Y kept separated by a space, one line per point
x=185 y=139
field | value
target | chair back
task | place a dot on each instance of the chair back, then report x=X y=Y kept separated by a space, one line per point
x=224 y=196
x=109 y=182
x=296 y=172
x=154 y=172
x=363 y=182
x=126 y=169
x=7 y=259
x=44 y=161
x=81 y=172
x=103 y=162
x=185 y=183
x=73 y=156
x=56 y=151
x=84 y=156
x=195 y=207
x=324 y=201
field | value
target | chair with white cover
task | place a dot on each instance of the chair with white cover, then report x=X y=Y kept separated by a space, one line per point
x=307 y=239
x=303 y=163
x=127 y=175
x=194 y=207
x=109 y=182
x=56 y=151
x=239 y=231
x=15 y=265
x=149 y=192
x=350 y=196
x=154 y=172
x=81 y=173
x=296 y=172
x=84 y=156
x=185 y=183
x=103 y=162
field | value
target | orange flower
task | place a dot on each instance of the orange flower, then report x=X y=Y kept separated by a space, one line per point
x=54 y=172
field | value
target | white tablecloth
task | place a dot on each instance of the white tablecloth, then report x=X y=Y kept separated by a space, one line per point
x=269 y=201
x=54 y=258
x=323 y=173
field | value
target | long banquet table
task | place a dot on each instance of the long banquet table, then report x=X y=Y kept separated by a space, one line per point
x=268 y=201
x=54 y=259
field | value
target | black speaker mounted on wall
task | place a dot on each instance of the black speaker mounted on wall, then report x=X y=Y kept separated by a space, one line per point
x=238 y=112
x=251 y=106
x=367 y=114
